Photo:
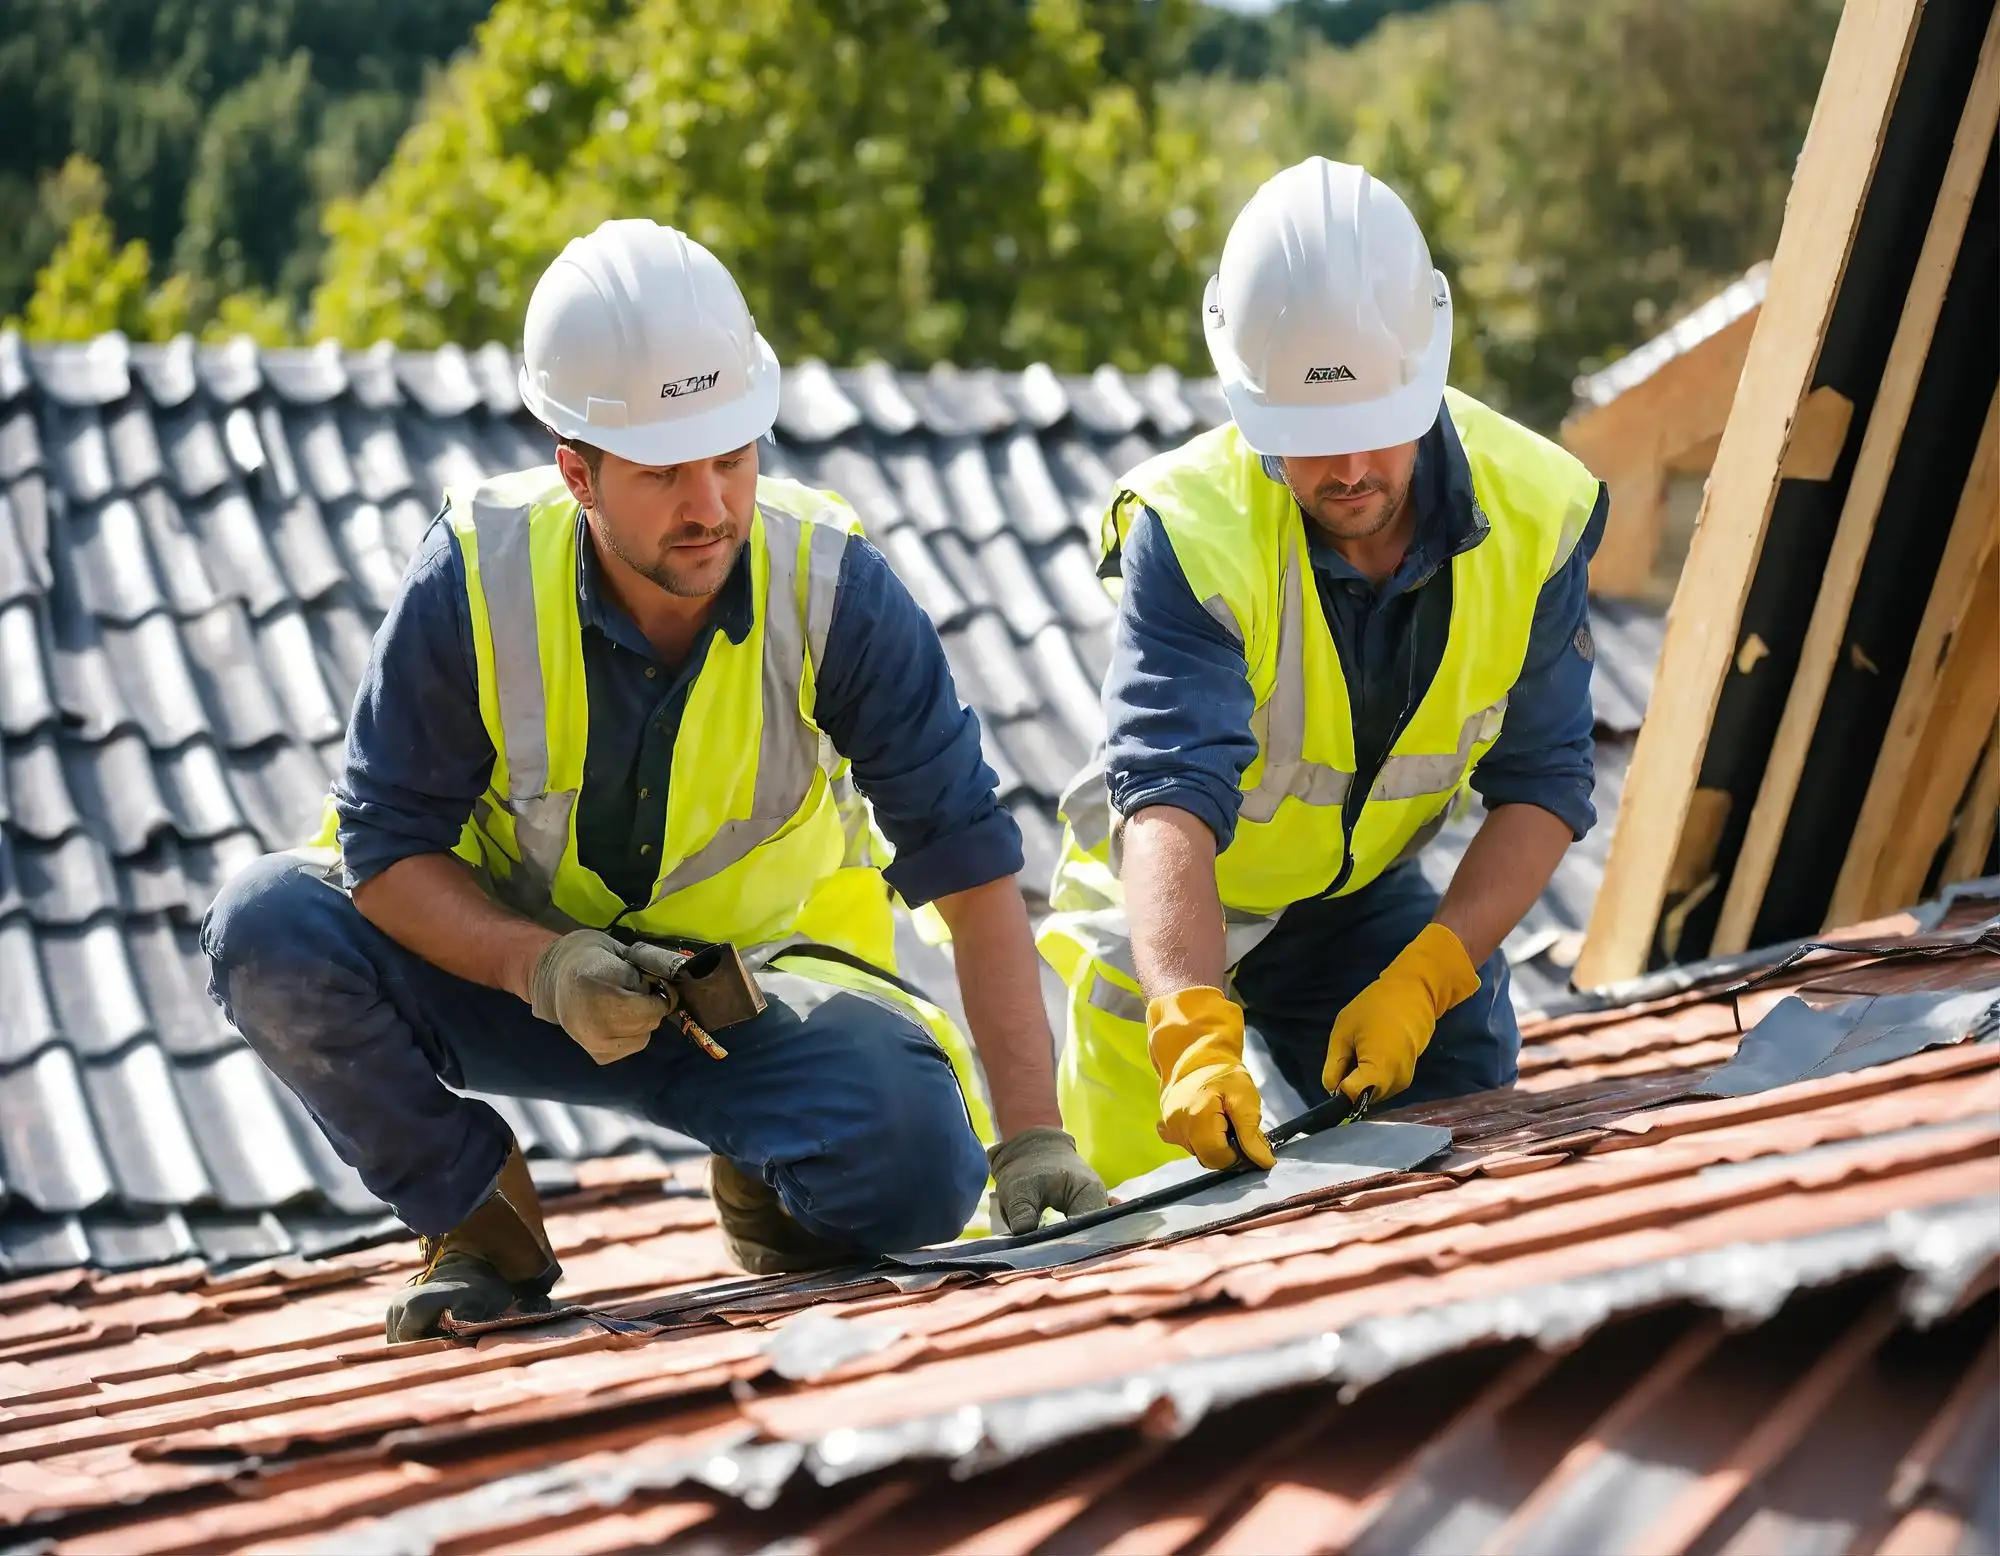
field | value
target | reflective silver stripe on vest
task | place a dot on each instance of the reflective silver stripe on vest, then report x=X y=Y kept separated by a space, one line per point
x=1415 y=776
x=1086 y=805
x=507 y=578
x=788 y=750
x=1225 y=618
x=828 y=546
x=1280 y=724
x=1119 y=1003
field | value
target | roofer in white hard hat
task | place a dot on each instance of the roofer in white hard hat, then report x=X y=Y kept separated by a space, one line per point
x=633 y=716
x=1359 y=599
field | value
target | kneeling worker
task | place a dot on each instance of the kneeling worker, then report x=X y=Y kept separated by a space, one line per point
x=629 y=698
x=1361 y=596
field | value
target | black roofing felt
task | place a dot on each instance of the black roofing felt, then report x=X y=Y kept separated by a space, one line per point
x=195 y=546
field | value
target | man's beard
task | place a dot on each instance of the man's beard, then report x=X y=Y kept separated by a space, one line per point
x=687 y=583
x=1344 y=523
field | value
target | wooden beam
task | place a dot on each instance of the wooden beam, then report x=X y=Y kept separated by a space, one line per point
x=1863 y=72
x=1969 y=551
x=1970 y=148
x=1976 y=819
x=1637 y=519
x=1818 y=436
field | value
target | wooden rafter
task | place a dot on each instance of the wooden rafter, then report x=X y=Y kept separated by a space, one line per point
x=1863 y=74
x=1971 y=148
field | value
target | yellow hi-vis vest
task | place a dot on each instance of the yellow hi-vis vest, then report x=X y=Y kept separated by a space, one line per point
x=766 y=842
x=1240 y=540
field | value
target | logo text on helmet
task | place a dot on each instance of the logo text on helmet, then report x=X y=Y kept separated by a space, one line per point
x=1343 y=374
x=693 y=384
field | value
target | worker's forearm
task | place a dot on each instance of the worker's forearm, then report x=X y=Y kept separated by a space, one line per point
x=430 y=904
x=1510 y=860
x=1168 y=872
x=1002 y=992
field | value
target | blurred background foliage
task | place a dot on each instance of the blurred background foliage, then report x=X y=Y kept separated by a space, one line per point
x=992 y=181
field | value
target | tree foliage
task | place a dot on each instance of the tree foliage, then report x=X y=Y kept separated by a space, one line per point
x=221 y=126
x=910 y=179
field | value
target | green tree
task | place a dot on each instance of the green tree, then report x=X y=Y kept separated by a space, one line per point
x=986 y=180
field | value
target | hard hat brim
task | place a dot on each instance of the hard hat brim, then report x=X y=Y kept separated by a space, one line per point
x=1308 y=431
x=705 y=435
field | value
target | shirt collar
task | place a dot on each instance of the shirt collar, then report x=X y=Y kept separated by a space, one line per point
x=1449 y=519
x=733 y=614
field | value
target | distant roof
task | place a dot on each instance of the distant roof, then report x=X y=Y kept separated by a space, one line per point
x=195 y=546
x=1711 y=318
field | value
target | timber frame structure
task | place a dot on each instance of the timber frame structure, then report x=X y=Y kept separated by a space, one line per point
x=1822 y=744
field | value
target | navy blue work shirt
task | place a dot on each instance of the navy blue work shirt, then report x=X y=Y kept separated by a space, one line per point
x=418 y=755
x=1178 y=702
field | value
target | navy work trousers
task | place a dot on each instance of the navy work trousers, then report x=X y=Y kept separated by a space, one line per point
x=839 y=1100
x=1325 y=951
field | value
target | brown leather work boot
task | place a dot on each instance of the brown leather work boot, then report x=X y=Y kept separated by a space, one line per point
x=497 y=1256
x=758 y=1233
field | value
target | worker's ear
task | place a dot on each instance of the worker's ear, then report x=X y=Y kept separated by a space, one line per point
x=575 y=473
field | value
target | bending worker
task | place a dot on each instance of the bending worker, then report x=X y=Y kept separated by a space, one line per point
x=1361 y=596
x=625 y=701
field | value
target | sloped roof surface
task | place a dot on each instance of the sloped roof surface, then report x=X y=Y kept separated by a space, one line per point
x=1699 y=324
x=1619 y=1313
x=195 y=546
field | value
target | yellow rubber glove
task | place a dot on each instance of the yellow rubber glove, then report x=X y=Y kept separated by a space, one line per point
x=1196 y=1040
x=1377 y=1038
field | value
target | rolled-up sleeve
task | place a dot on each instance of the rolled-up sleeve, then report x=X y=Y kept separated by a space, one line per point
x=1177 y=699
x=418 y=755
x=886 y=700
x=1546 y=754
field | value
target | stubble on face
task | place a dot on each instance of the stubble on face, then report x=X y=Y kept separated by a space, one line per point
x=670 y=567
x=1354 y=511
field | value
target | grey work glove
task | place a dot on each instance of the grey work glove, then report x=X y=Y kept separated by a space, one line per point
x=584 y=984
x=1038 y=1170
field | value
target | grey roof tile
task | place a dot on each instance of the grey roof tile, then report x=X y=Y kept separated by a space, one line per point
x=306 y=375
x=18 y=577
x=853 y=471
x=96 y=998
x=27 y=699
x=876 y=390
x=381 y=469
x=1122 y=456
x=811 y=405
x=14 y=380
x=193 y=448
x=237 y=556
x=1070 y=573
x=74 y=373
x=68 y=882
x=253 y=1159
x=114 y=568
x=177 y=554
x=1045 y=755
x=1071 y=692
x=242 y=440
x=339 y=1185
x=82 y=454
x=27 y=1019
x=291 y=666
x=343 y=637
x=962 y=568
x=1204 y=398
x=135 y=446
x=232 y=684
x=115 y=788
x=278 y=477
x=1015 y=588
x=50 y=1152
x=776 y=462
x=1008 y=781
x=195 y=789
x=988 y=670
x=154 y=882
x=497 y=372
x=279 y=787
x=1103 y=403
x=1086 y=479
x=173 y=978
x=404 y=522
x=1036 y=507
x=955 y=402
x=364 y=540
x=229 y=372
x=304 y=550
x=919 y=487
x=206 y=865
x=40 y=801
x=371 y=376
x=146 y=679
x=34 y=1244
x=28 y=496
x=250 y=1238
x=968 y=479
x=11 y=899
x=322 y=455
x=167 y=372
x=85 y=676
x=1159 y=391
x=1041 y=844
x=20 y=443
x=441 y=381
x=504 y=445
x=133 y=1242
x=912 y=562
x=1038 y=396
x=446 y=453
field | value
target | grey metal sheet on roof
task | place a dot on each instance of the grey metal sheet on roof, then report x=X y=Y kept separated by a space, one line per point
x=195 y=545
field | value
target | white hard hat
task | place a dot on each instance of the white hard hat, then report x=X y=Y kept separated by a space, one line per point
x=638 y=341
x=1328 y=326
